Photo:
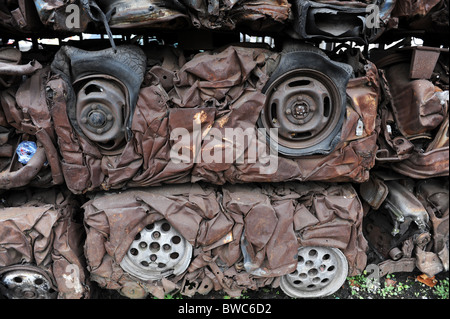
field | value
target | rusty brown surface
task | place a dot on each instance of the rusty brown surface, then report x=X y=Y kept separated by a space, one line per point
x=25 y=110
x=19 y=17
x=394 y=141
x=407 y=246
x=414 y=119
x=230 y=81
x=37 y=228
x=416 y=107
x=274 y=220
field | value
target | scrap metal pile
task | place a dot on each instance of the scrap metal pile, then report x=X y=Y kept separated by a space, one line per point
x=173 y=157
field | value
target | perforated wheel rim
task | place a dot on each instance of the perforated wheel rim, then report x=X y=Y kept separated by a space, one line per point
x=27 y=284
x=157 y=251
x=320 y=272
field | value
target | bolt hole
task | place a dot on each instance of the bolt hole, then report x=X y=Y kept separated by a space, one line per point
x=165 y=227
x=143 y=244
x=154 y=247
x=156 y=235
x=313 y=272
x=38 y=281
x=176 y=240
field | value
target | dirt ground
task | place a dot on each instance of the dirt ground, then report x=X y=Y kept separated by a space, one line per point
x=393 y=286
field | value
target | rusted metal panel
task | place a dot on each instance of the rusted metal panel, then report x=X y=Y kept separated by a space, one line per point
x=25 y=110
x=393 y=141
x=62 y=16
x=271 y=242
x=405 y=247
x=37 y=230
x=423 y=62
x=416 y=106
x=144 y=13
x=217 y=79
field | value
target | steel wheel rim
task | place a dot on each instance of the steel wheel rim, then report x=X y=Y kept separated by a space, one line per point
x=100 y=112
x=304 y=105
x=320 y=272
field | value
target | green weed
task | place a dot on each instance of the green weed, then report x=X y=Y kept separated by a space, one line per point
x=441 y=289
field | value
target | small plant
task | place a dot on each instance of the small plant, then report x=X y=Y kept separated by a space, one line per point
x=441 y=289
x=174 y=296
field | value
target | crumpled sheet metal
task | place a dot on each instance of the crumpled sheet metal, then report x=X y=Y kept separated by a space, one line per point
x=428 y=15
x=223 y=90
x=74 y=16
x=288 y=216
x=24 y=111
x=58 y=15
x=328 y=20
x=11 y=67
x=431 y=14
x=413 y=135
x=215 y=14
x=425 y=248
x=37 y=228
x=433 y=193
x=416 y=104
x=19 y=17
x=169 y=15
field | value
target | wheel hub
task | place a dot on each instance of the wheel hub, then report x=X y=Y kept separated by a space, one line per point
x=300 y=110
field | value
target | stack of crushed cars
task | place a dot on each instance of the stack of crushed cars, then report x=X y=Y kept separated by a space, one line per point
x=150 y=167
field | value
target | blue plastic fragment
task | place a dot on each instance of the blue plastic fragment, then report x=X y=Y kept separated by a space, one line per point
x=25 y=151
